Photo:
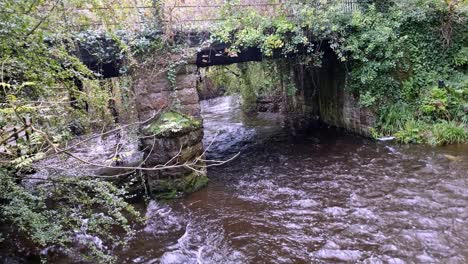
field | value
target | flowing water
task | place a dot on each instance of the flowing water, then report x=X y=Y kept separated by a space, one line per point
x=323 y=197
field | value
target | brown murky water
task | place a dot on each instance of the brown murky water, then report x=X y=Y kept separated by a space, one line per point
x=324 y=197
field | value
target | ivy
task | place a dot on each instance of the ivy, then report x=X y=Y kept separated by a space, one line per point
x=172 y=71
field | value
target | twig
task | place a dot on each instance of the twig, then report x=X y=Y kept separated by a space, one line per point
x=113 y=131
x=190 y=165
x=43 y=19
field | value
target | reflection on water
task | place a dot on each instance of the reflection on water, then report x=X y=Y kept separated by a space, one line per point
x=320 y=198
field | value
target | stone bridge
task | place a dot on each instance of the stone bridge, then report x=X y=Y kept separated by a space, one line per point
x=175 y=137
x=321 y=95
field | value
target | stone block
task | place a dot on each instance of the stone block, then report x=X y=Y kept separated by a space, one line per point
x=166 y=148
x=191 y=110
x=186 y=68
x=152 y=101
x=171 y=188
x=186 y=81
x=155 y=92
x=186 y=96
x=191 y=152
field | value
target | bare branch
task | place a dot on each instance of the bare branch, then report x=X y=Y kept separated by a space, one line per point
x=192 y=165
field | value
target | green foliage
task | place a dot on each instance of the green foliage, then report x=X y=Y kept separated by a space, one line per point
x=43 y=82
x=446 y=132
x=250 y=80
x=444 y=104
x=367 y=99
x=375 y=52
x=440 y=133
x=412 y=132
x=147 y=41
x=40 y=79
x=247 y=28
x=394 y=118
x=461 y=57
x=435 y=104
x=60 y=212
x=172 y=70
x=106 y=47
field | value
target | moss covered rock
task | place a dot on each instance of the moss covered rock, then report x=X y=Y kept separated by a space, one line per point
x=172 y=124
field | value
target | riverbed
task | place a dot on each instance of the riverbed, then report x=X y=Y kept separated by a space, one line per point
x=320 y=197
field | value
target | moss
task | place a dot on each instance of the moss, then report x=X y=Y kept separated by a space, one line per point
x=194 y=182
x=172 y=124
x=168 y=195
x=172 y=189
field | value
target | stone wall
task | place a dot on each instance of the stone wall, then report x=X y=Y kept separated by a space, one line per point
x=328 y=99
x=155 y=92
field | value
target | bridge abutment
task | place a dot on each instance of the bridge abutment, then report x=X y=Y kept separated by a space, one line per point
x=172 y=141
x=332 y=101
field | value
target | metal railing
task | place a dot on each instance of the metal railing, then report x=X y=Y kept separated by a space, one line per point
x=205 y=15
x=178 y=16
x=350 y=5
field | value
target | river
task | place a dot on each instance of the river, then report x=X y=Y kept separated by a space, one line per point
x=322 y=197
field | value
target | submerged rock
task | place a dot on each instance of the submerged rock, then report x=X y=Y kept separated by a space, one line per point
x=452 y=158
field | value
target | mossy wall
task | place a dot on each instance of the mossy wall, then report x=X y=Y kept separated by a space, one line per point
x=172 y=124
x=328 y=99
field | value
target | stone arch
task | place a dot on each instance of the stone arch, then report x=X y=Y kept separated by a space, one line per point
x=323 y=97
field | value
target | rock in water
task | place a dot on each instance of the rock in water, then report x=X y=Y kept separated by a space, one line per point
x=452 y=158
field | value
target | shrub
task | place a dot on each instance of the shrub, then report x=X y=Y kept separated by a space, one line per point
x=444 y=104
x=394 y=118
x=412 y=132
x=435 y=104
x=448 y=132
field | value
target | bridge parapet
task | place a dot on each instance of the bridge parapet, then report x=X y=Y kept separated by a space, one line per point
x=202 y=15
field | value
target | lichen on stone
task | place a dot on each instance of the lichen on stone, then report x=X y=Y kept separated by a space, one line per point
x=172 y=124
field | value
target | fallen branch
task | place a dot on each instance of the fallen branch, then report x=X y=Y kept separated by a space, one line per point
x=192 y=165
